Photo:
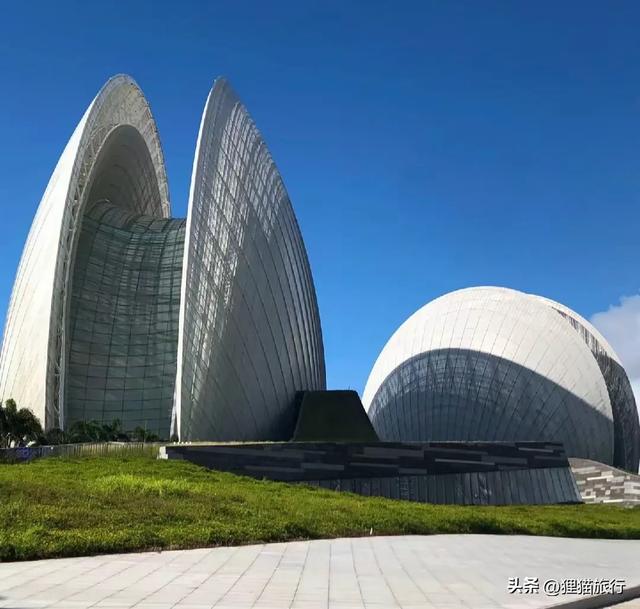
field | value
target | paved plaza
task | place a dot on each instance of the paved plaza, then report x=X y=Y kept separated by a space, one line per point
x=439 y=571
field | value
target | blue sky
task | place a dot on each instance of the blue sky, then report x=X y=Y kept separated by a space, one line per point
x=426 y=146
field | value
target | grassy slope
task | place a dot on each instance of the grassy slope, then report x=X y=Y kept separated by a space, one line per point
x=66 y=507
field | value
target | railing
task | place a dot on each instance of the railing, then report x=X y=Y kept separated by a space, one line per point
x=29 y=453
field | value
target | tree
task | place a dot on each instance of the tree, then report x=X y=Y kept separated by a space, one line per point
x=18 y=427
x=139 y=434
x=113 y=431
x=54 y=436
x=85 y=431
x=94 y=431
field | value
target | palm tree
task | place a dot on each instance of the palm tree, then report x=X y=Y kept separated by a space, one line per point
x=54 y=436
x=85 y=431
x=113 y=431
x=18 y=427
x=140 y=434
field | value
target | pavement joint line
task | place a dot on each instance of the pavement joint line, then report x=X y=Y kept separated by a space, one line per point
x=264 y=587
x=164 y=586
x=101 y=601
x=95 y=567
x=382 y=574
x=235 y=581
x=302 y=570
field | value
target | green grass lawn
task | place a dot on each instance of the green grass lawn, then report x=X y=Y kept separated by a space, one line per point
x=75 y=506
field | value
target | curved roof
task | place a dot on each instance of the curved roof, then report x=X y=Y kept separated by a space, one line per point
x=117 y=122
x=249 y=330
x=499 y=321
x=491 y=363
x=589 y=327
x=623 y=403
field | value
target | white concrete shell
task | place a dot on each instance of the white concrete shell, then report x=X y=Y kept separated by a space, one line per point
x=249 y=330
x=207 y=327
x=114 y=154
x=493 y=364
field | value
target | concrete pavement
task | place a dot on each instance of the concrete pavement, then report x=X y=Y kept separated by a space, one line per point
x=412 y=572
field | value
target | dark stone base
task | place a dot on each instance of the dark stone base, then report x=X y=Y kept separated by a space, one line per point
x=600 y=483
x=472 y=473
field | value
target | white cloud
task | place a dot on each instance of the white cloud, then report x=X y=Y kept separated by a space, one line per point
x=620 y=325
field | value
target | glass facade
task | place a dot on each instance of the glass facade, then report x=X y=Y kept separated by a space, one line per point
x=124 y=319
x=464 y=395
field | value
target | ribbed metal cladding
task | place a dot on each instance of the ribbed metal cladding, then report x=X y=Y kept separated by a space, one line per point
x=250 y=334
x=492 y=364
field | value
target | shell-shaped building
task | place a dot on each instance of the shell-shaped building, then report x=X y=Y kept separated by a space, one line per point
x=205 y=327
x=494 y=364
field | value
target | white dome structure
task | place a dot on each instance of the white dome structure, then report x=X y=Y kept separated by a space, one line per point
x=494 y=364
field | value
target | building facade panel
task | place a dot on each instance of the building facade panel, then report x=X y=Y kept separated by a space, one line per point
x=250 y=333
x=626 y=423
x=491 y=364
x=96 y=160
x=124 y=319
